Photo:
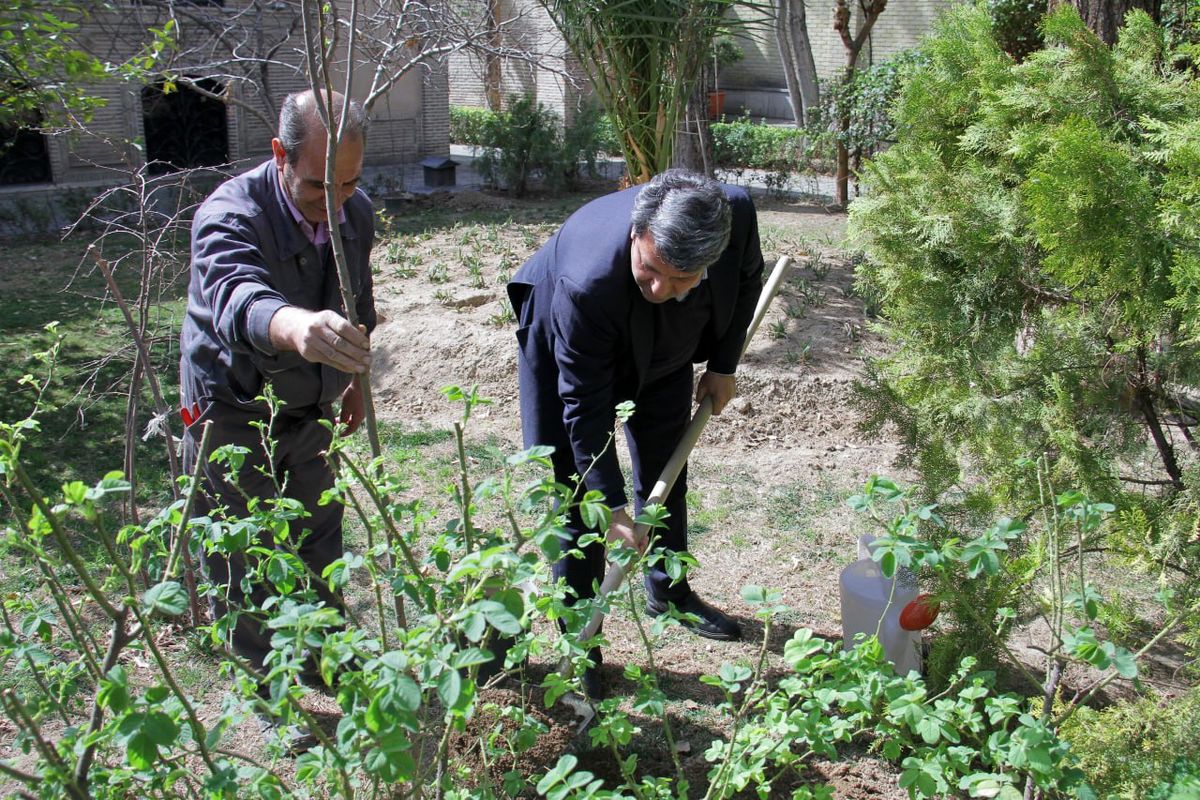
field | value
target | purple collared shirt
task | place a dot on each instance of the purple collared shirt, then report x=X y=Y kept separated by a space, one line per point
x=318 y=234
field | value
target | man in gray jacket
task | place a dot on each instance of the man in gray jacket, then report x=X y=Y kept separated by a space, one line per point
x=264 y=306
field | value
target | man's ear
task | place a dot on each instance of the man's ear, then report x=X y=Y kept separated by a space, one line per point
x=279 y=153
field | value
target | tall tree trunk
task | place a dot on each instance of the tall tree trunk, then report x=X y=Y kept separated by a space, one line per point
x=1105 y=17
x=852 y=43
x=693 y=138
x=492 y=67
x=795 y=50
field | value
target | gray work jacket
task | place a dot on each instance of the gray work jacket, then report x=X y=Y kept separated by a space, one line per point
x=249 y=258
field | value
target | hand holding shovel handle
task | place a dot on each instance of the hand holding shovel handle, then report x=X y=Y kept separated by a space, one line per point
x=616 y=573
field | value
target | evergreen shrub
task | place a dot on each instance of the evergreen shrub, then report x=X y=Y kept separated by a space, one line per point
x=1133 y=747
x=528 y=143
x=1033 y=238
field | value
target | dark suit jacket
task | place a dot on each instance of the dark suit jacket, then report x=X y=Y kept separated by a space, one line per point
x=587 y=334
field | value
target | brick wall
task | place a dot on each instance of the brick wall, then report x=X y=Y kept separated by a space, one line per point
x=410 y=122
x=548 y=72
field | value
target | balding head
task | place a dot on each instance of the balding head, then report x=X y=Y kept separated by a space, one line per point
x=299 y=120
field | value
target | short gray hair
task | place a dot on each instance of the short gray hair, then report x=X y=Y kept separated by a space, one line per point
x=299 y=113
x=687 y=215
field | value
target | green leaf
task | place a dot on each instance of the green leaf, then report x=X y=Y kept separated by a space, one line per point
x=754 y=595
x=141 y=752
x=596 y=515
x=168 y=599
x=1125 y=662
x=113 y=692
x=566 y=764
x=407 y=693
x=160 y=729
x=449 y=688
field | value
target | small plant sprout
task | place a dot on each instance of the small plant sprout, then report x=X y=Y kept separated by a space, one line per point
x=437 y=273
x=504 y=316
x=817 y=266
x=778 y=329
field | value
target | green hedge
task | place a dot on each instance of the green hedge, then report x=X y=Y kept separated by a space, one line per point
x=470 y=125
x=738 y=144
x=744 y=144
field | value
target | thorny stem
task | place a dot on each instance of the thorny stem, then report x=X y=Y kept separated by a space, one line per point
x=117 y=641
x=747 y=701
x=147 y=636
x=372 y=569
x=249 y=760
x=131 y=406
x=310 y=721
x=160 y=404
x=465 y=486
x=79 y=631
x=75 y=624
x=16 y=774
x=648 y=648
x=1112 y=676
x=180 y=545
x=64 y=542
x=443 y=757
x=395 y=540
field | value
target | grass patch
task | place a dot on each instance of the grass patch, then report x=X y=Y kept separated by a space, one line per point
x=795 y=506
x=83 y=409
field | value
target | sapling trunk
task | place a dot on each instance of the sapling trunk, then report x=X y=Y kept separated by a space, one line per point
x=160 y=405
x=322 y=87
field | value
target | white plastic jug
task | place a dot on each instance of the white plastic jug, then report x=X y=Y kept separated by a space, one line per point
x=864 y=545
x=865 y=593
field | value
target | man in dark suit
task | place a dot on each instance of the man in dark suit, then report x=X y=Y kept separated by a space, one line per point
x=633 y=289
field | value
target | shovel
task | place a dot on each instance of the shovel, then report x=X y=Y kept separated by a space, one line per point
x=616 y=573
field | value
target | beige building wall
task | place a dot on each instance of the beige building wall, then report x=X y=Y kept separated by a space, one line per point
x=757 y=85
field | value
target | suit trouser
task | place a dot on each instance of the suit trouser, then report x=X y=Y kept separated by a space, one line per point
x=300 y=467
x=661 y=414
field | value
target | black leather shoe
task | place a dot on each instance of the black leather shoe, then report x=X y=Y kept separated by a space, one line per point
x=296 y=738
x=712 y=623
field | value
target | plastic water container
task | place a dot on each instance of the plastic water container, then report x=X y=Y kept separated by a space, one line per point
x=865 y=592
x=864 y=545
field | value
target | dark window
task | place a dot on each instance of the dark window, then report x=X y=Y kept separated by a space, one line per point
x=184 y=128
x=23 y=155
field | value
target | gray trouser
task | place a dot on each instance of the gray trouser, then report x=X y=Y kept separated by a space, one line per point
x=299 y=466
